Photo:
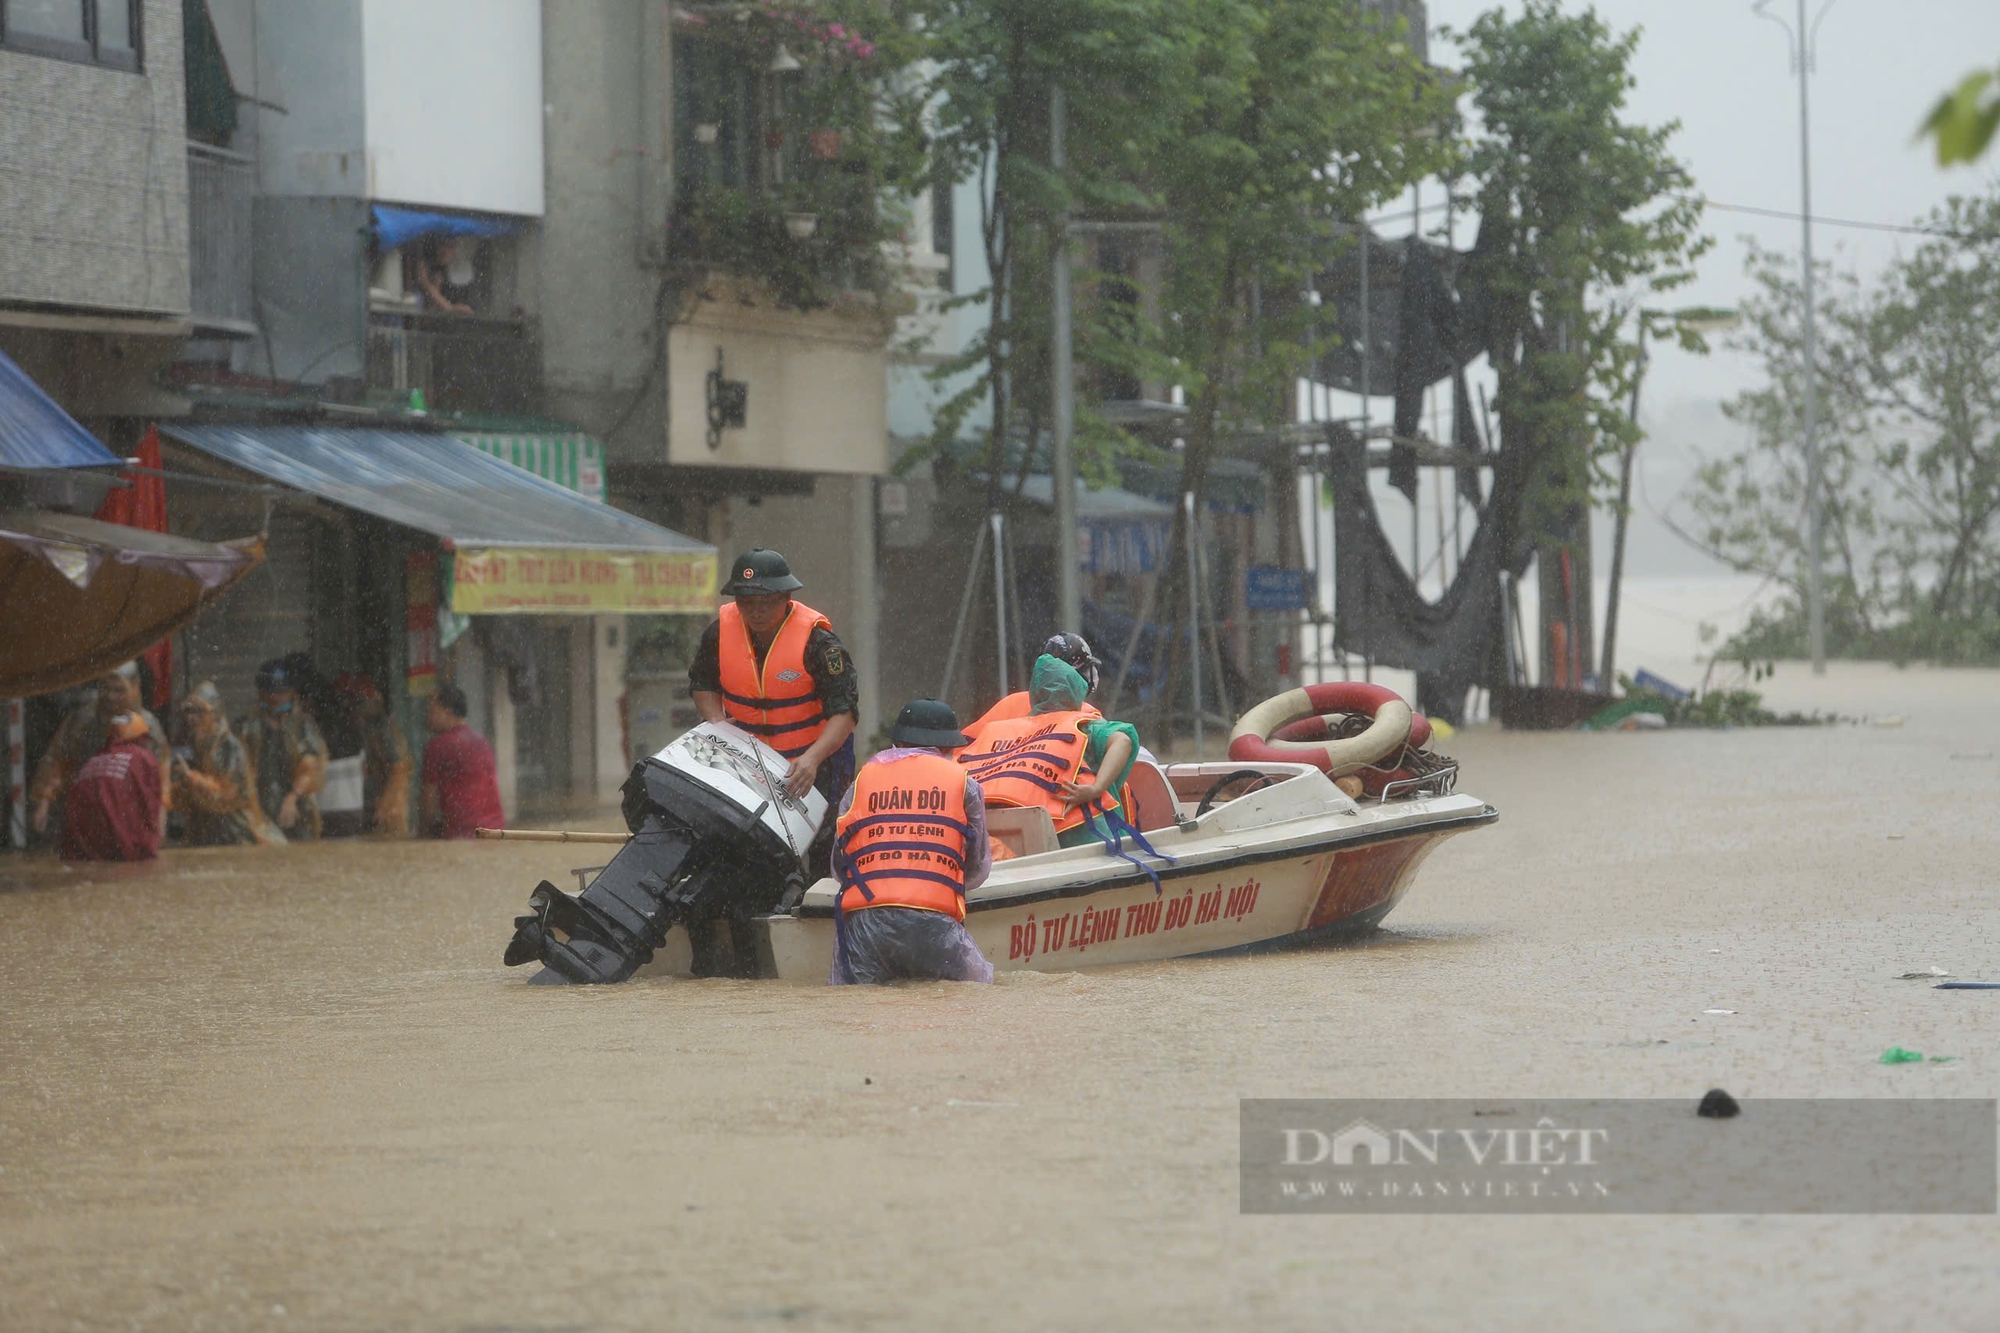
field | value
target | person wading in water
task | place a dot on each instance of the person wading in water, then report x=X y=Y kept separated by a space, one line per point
x=911 y=842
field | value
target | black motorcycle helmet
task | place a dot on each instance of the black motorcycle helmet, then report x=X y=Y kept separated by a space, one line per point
x=1075 y=650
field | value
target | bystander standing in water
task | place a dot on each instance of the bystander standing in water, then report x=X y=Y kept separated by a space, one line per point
x=287 y=753
x=115 y=809
x=385 y=756
x=461 y=785
x=214 y=781
x=83 y=735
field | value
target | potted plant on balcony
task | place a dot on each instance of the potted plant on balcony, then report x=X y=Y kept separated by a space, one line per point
x=814 y=223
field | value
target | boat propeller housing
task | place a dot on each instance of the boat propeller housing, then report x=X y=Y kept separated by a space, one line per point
x=714 y=838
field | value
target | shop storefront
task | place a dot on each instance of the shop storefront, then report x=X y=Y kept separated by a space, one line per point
x=418 y=558
x=81 y=595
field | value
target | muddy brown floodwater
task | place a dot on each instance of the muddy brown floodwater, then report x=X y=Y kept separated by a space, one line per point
x=295 y=1089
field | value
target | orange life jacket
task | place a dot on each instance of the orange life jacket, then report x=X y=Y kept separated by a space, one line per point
x=1011 y=706
x=778 y=704
x=902 y=843
x=1023 y=762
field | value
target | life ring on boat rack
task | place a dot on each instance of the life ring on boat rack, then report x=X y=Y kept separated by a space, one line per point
x=1327 y=728
x=1260 y=734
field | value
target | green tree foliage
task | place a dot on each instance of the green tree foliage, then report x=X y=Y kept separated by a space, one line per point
x=1241 y=131
x=1301 y=113
x=1576 y=205
x=1297 y=115
x=1749 y=507
x=1964 y=119
x=1909 y=382
x=989 y=66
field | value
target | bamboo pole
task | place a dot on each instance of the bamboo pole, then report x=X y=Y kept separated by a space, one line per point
x=550 y=835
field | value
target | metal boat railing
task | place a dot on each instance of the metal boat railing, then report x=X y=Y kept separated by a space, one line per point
x=1437 y=783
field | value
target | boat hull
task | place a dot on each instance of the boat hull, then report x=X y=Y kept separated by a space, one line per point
x=1254 y=904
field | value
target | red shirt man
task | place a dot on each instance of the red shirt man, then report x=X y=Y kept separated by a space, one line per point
x=113 y=812
x=461 y=788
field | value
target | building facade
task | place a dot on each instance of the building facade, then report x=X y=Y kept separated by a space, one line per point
x=650 y=117
x=306 y=239
x=94 y=256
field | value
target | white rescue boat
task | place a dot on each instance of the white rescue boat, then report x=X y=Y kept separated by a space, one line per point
x=1251 y=857
x=1312 y=831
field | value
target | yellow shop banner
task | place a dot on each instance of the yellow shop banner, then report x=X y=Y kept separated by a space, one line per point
x=514 y=580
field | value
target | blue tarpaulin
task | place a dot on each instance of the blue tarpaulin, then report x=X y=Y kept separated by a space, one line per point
x=399 y=226
x=35 y=433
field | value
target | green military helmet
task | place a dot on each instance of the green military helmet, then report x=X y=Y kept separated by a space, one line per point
x=928 y=722
x=759 y=571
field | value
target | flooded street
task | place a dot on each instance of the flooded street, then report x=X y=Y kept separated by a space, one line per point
x=297 y=1089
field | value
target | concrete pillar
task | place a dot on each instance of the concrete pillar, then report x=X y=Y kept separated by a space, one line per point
x=505 y=767
x=613 y=763
x=582 y=709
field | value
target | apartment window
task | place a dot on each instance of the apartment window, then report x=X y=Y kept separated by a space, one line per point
x=97 y=32
x=719 y=137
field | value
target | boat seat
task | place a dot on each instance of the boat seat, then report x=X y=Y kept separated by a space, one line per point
x=1154 y=805
x=1024 y=831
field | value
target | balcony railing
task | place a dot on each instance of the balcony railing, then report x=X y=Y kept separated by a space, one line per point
x=220 y=188
x=459 y=363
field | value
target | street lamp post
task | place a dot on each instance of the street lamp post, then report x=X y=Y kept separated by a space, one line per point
x=1803 y=43
x=1062 y=396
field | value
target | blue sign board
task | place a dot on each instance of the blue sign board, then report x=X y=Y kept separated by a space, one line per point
x=1272 y=588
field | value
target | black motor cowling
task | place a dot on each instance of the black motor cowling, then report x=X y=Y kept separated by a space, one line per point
x=695 y=859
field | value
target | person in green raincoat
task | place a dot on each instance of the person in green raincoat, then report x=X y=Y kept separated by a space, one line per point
x=1027 y=761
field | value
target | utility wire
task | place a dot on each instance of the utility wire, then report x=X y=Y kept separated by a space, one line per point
x=1907 y=228
x=1470 y=203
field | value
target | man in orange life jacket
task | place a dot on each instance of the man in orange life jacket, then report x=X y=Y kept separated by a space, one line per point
x=775 y=668
x=912 y=841
x=1064 y=647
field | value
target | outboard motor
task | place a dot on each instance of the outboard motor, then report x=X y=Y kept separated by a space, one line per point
x=714 y=837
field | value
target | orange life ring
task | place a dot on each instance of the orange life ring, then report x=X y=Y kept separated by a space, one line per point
x=1257 y=735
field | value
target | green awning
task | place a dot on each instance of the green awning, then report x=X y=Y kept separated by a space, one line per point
x=572 y=460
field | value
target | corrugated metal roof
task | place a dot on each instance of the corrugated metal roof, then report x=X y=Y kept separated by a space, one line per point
x=36 y=433
x=432 y=483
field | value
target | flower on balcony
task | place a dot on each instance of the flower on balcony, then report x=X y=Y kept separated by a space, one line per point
x=812 y=124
